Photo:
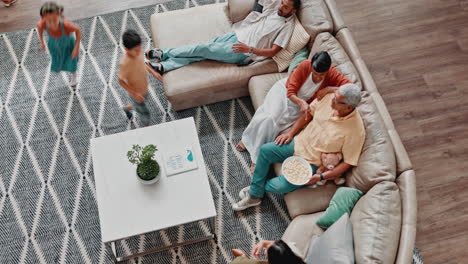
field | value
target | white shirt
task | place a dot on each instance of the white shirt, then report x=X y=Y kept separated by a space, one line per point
x=262 y=30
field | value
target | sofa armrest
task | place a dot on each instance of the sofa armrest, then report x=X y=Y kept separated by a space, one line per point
x=309 y=200
x=239 y=9
x=407 y=184
x=346 y=40
x=338 y=22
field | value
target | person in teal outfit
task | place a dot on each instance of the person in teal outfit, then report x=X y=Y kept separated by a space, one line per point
x=63 y=47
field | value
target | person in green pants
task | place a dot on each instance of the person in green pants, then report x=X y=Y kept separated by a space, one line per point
x=332 y=125
x=260 y=35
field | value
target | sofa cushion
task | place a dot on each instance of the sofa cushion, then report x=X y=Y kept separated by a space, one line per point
x=342 y=202
x=261 y=84
x=183 y=26
x=376 y=220
x=308 y=200
x=301 y=231
x=326 y=42
x=377 y=161
x=300 y=56
x=315 y=18
x=335 y=245
x=208 y=82
x=298 y=40
x=239 y=9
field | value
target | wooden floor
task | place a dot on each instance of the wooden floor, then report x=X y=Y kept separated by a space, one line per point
x=417 y=52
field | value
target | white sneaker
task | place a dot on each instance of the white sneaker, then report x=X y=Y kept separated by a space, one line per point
x=246 y=203
x=244 y=192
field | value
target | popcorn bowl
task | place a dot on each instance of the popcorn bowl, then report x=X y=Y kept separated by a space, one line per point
x=296 y=170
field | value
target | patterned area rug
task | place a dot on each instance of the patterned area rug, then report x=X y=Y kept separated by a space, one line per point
x=48 y=210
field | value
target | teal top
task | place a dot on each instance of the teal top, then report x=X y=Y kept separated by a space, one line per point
x=61 y=51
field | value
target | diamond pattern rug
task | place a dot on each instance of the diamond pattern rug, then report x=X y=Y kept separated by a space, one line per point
x=48 y=210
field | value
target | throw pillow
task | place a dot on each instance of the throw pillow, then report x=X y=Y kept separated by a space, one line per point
x=335 y=245
x=342 y=202
x=299 y=39
x=298 y=58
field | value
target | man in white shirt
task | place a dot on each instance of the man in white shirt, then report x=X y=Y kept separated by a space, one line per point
x=260 y=35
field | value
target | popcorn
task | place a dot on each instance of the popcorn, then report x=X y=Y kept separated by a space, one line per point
x=296 y=172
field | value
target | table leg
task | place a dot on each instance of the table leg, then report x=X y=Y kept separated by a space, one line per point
x=114 y=252
x=185 y=243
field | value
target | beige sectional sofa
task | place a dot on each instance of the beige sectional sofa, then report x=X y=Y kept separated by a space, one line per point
x=384 y=219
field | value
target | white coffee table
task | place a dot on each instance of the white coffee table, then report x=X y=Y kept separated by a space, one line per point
x=129 y=208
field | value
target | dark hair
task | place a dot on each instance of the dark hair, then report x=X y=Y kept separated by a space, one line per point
x=50 y=8
x=131 y=39
x=281 y=253
x=297 y=4
x=321 y=61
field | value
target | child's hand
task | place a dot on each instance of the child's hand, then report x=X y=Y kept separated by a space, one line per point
x=43 y=48
x=75 y=53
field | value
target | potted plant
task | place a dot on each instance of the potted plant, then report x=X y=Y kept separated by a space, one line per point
x=148 y=169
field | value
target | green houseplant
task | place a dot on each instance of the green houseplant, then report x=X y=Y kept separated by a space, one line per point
x=147 y=168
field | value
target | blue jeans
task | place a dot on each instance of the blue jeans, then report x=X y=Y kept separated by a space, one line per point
x=271 y=153
x=218 y=49
x=142 y=110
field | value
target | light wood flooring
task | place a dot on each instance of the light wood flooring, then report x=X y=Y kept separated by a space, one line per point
x=417 y=52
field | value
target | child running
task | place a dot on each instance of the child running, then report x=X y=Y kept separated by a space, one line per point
x=63 y=47
x=133 y=76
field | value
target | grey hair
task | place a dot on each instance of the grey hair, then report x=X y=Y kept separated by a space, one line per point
x=352 y=94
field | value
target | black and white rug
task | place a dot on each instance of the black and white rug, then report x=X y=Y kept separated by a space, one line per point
x=48 y=210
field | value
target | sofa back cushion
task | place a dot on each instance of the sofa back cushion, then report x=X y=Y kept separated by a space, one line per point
x=298 y=40
x=326 y=42
x=315 y=18
x=376 y=221
x=237 y=10
x=377 y=161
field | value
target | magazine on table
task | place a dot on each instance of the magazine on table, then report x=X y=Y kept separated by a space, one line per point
x=179 y=160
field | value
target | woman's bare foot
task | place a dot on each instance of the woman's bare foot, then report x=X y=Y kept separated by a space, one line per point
x=252 y=168
x=241 y=147
x=238 y=253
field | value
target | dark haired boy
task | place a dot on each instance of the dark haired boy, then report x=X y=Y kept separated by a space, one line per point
x=133 y=76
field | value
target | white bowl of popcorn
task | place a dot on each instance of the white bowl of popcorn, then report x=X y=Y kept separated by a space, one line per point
x=296 y=170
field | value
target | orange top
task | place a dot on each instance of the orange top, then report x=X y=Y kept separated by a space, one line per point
x=304 y=70
x=57 y=33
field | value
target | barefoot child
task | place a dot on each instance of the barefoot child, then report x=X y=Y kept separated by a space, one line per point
x=133 y=76
x=63 y=47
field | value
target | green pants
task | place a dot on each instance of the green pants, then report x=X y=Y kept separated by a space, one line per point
x=271 y=153
x=218 y=49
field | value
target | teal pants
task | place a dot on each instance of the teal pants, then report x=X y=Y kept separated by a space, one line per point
x=271 y=153
x=218 y=49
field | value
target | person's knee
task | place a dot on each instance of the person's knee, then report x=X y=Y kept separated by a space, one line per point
x=279 y=185
x=266 y=149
